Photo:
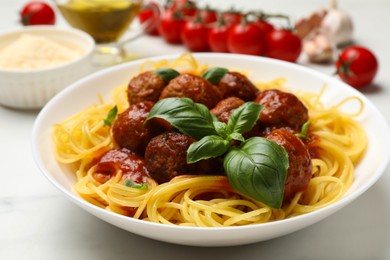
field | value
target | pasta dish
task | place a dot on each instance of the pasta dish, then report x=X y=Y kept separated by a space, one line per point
x=187 y=144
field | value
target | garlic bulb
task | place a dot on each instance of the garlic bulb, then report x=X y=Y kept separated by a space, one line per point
x=337 y=25
x=318 y=48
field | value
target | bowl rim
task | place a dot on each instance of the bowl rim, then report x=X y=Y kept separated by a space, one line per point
x=76 y=33
x=330 y=209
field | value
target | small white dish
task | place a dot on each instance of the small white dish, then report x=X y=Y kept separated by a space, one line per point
x=32 y=88
x=85 y=92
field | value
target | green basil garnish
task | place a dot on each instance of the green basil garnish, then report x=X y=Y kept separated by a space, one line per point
x=244 y=118
x=258 y=169
x=208 y=147
x=166 y=74
x=214 y=75
x=111 y=116
x=304 y=130
x=221 y=129
x=237 y=137
x=190 y=118
x=132 y=184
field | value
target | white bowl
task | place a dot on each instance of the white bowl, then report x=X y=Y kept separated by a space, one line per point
x=32 y=88
x=85 y=91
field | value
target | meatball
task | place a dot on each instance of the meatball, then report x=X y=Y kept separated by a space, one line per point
x=237 y=85
x=194 y=87
x=225 y=108
x=300 y=167
x=281 y=109
x=166 y=158
x=146 y=86
x=129 y=130
x=131 y=165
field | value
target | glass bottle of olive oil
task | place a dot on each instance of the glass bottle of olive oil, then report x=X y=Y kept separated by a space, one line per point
x=105 y=20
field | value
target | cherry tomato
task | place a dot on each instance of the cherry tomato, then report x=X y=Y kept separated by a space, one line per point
x=283 y=45
x=218 y=37
x=194 y=35
x=37 y=13
x=357 y=66
x=232 y=17
x=265 y=26
x=149 y=15
x=207 y=15
x=170 y=26
x=246 y=38
x=186 y=8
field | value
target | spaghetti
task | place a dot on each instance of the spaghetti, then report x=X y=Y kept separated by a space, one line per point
x=210 y=201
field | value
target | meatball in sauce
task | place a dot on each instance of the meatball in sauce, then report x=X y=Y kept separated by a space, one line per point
x=234 y=84
x=131 y=165
x=300 y=167
x=281 y=109
x=194 y=87
x=166 y=158
x=146 y=86
x=129 y=130
x=225 y=108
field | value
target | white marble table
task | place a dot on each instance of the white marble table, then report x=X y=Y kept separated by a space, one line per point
x=37 y=222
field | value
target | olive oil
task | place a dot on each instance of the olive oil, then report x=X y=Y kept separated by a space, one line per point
x=106 y=21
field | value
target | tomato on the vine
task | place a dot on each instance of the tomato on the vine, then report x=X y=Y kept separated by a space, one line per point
x=357 y=66
x=37 y=13
x=232 y=17
x=264 y=25
x=246 y=38
x=283 y=44
x=170 y=26
x=194 y=35
x=218 y=37
x=186 y=8
x=207 y=15
x=150 y=16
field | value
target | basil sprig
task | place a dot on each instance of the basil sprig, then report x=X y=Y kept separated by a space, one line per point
x=241 y=121
x=256 y=168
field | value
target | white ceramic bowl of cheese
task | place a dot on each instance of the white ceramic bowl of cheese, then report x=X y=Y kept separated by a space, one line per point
x=33 y=87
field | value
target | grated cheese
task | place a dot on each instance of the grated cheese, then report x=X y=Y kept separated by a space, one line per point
x=32 y=52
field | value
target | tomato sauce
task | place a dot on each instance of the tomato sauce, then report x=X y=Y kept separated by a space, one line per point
x=131 y=165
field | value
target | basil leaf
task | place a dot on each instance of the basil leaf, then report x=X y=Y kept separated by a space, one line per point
x=111 y=116
x=166 y=74
x=220 y=127
x=132 y=184
x=304 y=130
x=244 y=118
x=208 y=147
x=236 y=136
x=258 y=169
x=188 y=117
x=214 y=75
